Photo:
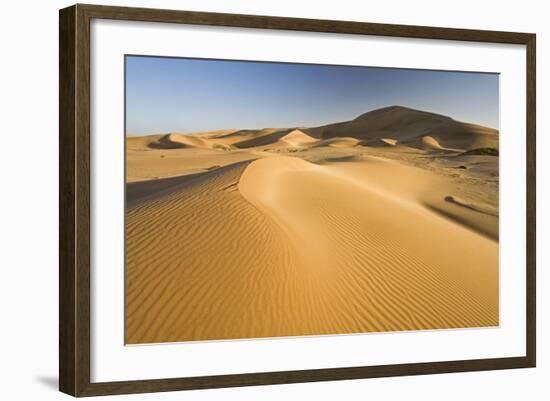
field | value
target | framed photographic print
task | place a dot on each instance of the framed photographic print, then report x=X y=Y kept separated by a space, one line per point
x=250 y=200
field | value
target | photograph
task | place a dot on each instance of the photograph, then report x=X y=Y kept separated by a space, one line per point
x=271 y=199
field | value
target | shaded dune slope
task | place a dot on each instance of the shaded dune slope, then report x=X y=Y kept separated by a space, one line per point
x=282 y=247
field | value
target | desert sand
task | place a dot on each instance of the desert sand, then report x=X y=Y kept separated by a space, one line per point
x=388 y=222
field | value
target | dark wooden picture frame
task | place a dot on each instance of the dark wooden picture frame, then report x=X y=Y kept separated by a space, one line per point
x=74 y=203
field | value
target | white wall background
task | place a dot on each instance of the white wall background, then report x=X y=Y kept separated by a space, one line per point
x=29 y=184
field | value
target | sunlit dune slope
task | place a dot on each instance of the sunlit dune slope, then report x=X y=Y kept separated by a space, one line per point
x=297 y=138
x=430 y=143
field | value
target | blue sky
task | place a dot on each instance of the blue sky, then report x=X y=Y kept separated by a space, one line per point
x=190 y=95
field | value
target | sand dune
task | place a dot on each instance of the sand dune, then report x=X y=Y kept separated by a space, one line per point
x=321 y=256
x=409 y=125
x=187 y=279
x=175 y=141
x=377 y=224
x=216 y=134
x=297 y=138
x=261 y=138
x=389 y=125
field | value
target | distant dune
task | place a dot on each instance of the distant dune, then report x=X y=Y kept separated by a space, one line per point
x=382 y=223
x=261 y=138
x=174 y=141
x=409 y=126
x=297 y=138
x=390 y=125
